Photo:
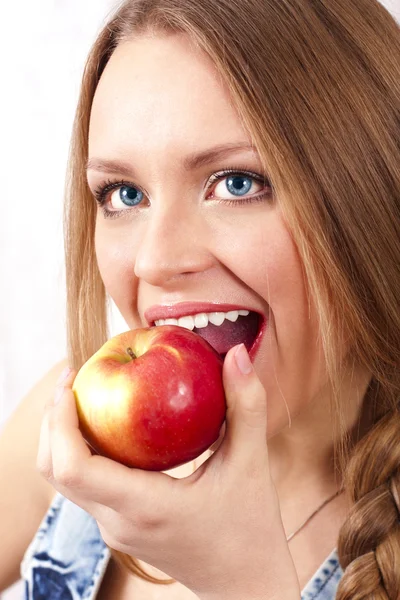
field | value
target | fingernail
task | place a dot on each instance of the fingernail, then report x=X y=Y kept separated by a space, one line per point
x=58 y=394
x=64 y=375
x=243 y=360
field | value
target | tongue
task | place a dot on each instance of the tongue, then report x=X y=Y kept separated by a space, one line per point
x=225 y=336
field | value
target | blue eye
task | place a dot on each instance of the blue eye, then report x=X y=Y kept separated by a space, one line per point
x=239 y=185
x=129 y=196
x=233 y=187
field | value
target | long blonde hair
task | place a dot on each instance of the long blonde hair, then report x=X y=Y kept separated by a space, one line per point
x=316 y=83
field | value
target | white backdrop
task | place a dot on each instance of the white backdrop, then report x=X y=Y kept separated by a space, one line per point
x=43 y=46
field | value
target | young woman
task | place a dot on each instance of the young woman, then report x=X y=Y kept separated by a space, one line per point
x=230 y=156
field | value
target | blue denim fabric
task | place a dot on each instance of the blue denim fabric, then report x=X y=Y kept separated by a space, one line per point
x=323 y=584
x=67 y=559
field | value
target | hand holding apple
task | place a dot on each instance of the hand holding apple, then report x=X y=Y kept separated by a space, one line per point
x=224 y=518
x=151 y=398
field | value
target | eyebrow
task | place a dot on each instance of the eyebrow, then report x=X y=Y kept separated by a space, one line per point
x=190 y=163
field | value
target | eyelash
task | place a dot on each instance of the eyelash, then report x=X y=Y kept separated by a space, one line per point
x=101 y=192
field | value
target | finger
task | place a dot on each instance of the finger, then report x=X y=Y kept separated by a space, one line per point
x=89 y=479
x=43 y=457
x=245 y=442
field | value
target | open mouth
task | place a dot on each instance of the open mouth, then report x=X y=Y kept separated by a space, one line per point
x=225 y=330
x=230 y=333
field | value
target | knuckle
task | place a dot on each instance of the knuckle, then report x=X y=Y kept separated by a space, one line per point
x=254 y=414
x=121 y=533
x=44 y=469
x=149 y=522
x=155 y=515
x=67 y=476
x=126 y=530
x=138 y=520
x=114 y=528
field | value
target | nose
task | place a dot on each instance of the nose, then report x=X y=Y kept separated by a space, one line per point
x=172 y=244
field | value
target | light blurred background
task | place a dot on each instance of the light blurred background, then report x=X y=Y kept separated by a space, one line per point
x=43 y=46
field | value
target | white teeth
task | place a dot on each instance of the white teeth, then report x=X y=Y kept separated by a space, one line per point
x=216 y=318
x=171 y=322
x=201 y=320
x=186 y=322
x=232 y=315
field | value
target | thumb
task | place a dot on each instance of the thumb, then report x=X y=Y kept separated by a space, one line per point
x=246 y=417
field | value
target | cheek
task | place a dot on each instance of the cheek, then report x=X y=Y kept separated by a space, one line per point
x=266 y=259
x=115 y=259
x=290 y=361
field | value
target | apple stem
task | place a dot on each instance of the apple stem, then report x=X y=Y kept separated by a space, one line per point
x=131 y=353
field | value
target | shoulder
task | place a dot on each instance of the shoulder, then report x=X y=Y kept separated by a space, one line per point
x=25 y=494
x=24 y=424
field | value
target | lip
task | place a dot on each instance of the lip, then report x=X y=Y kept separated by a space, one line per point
x=183 y=309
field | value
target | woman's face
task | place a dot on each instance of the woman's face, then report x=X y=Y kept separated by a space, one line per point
x=176 y=236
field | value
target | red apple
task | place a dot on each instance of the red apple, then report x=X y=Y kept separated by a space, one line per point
x=151 y=398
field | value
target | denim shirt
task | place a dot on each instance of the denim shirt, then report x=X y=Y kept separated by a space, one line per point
x=67 y=559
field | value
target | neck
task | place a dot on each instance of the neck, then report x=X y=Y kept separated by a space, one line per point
x=302 y=457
